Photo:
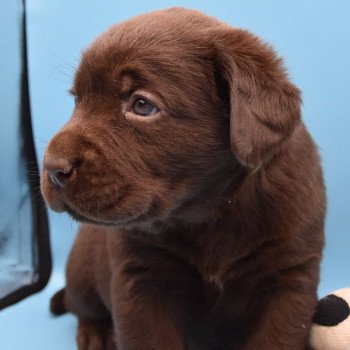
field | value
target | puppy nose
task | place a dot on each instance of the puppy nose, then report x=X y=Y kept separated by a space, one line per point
x=60 y=171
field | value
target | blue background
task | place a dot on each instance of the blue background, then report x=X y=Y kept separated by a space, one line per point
x=314 y=38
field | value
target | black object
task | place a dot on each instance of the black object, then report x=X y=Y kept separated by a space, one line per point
x=331 y=310
x=25 y=256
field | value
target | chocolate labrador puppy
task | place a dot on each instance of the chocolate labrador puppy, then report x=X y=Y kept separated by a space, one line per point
x=199 y=190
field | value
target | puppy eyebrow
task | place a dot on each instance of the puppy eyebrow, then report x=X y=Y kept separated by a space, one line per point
x=130 y=81
x=126 y=83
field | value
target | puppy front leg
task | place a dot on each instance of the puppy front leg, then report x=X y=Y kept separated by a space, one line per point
x=95 y=335
x=286 y=321
x=144 y=317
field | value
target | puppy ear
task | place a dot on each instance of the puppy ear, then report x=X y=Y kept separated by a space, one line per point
x=264 y=105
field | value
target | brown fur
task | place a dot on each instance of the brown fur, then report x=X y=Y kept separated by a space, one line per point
x=203 y=226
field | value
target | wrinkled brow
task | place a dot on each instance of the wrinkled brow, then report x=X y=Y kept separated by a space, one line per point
x=125 y=83
x=122 y=82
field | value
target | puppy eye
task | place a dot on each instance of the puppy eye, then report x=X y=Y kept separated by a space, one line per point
x=143 y=107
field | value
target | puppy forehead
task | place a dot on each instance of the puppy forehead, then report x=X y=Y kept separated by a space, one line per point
x=172 y=32
x=158 y=43
x=176 y=25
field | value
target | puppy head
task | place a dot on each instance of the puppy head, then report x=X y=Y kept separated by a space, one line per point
x=172 y=109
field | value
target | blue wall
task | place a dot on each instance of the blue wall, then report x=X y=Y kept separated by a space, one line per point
x=313 y=36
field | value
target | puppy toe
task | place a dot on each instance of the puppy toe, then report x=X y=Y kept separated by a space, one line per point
x=93 y=335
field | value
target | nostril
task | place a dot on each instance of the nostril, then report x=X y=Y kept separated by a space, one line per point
x=65 y=174
x=60 y=171
x=59 y=178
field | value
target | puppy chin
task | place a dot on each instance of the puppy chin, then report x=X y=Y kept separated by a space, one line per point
x=57 y=204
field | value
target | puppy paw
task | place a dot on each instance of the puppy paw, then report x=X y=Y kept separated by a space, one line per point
x=94 y=335
x=57 y=305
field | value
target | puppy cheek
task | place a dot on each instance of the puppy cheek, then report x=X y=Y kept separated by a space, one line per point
x=50 y=195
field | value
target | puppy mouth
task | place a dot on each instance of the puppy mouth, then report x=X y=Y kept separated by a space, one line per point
x=79 y=217
x=128 y=207
x=129 y=220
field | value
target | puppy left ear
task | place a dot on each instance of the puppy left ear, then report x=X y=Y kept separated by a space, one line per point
x=264 y=105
